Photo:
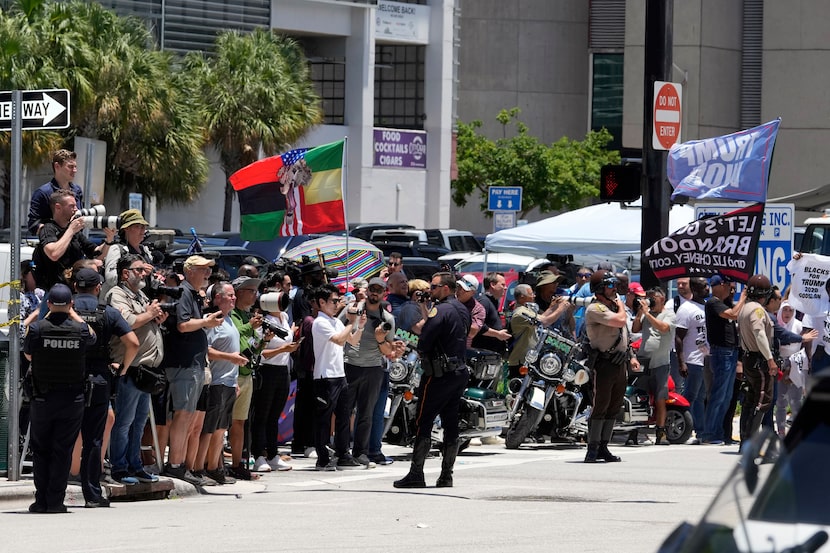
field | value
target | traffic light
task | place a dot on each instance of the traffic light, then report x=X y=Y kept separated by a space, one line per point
x=620 y=183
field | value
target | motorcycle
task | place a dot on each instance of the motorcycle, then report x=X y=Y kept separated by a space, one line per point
x=482 y=411
x=548 y=399
x=638 y=412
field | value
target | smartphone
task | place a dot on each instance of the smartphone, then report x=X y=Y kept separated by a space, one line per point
x=300 y=340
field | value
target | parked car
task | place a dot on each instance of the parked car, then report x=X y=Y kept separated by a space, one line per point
x=420 y=267
x=451 y=239
x=412 y=249
x=498 y=262
x=228 y=258
x=364 y=230
x=271 y=249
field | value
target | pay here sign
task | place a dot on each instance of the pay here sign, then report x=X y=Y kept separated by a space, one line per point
x=775 y=248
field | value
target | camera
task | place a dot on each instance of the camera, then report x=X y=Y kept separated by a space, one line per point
x=274 y=302
x=421 y=296
x=278 y=331
x=580 y=302
x=158 y=289
x=386 y=326
x=637 y=304
x=168 y=306
x=95 y=218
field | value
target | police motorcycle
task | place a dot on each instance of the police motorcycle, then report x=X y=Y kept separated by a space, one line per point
x=482 y=411
x=548 y=399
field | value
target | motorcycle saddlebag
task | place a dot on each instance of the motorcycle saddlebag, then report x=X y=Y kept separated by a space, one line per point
x=484 y=364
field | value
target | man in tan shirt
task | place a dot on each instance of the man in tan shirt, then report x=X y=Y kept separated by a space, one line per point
x=760 y=368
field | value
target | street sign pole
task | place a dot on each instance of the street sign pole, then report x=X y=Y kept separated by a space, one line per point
x=14 y=291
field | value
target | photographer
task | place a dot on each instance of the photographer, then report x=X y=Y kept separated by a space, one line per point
x=657 y=326
x=132 y=406
x=413 y=313
x=62 y=243
x=364 y=367
x=130 y=235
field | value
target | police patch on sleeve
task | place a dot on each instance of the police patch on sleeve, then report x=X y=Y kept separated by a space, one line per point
x=432 y=312
x=600 y=307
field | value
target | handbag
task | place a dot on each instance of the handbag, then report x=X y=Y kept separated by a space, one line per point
x=148 y=380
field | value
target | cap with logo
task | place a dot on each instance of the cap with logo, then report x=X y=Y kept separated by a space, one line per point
x=468 y=283
x=637 y=289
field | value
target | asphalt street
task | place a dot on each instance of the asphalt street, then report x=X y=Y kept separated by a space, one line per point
x=540 y=498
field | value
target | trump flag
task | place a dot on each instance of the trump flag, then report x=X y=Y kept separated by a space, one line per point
x=298 y=192
x=735 y=166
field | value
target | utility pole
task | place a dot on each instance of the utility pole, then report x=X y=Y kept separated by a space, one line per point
x=658 y=67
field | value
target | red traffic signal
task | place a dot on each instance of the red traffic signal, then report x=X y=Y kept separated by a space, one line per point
x=620 y=183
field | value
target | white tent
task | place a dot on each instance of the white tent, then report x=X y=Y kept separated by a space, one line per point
x=596 y=233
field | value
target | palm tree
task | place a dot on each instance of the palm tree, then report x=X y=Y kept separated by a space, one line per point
x=256 y=93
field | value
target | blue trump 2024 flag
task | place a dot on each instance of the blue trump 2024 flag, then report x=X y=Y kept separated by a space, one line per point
x=735 y=166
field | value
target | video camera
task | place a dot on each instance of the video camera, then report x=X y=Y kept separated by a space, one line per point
x=637 y=304
x=168 y=306
x=95 y=218
x=157 y=289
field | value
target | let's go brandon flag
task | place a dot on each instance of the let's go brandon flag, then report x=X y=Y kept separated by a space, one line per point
x=298 y=192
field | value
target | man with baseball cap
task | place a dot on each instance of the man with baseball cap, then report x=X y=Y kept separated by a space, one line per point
x=466 y=292
x=56 y=346
x=185 y=357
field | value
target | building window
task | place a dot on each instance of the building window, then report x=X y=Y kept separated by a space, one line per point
x=329 y=78
x=399 y=86
x=607 y=96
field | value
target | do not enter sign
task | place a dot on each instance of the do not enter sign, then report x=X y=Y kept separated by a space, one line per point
x=667 y=115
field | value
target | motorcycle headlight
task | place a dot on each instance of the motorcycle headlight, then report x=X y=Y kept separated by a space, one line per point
x=568 y=375
x=398 y=371
x=531 y=356
x=581 y=377
x=550 y=365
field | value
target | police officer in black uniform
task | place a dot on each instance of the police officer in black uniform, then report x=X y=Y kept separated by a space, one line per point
x=56 y=346
x=443 y=348
x=107 y=322
x=606 y=323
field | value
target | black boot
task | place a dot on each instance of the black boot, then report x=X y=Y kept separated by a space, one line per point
x=450 y=450
x=607 y=431
x=594 y=433
x=415 y=477
x=591 y=454
x=662 y=436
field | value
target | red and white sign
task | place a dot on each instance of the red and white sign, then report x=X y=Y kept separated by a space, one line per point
x=667 y=115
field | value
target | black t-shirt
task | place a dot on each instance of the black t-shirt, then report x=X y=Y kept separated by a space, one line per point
x=188 y=349
x=47 y=272
x=445 y=330
x=719 y=331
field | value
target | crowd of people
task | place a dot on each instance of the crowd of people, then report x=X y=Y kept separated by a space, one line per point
x=109 y=340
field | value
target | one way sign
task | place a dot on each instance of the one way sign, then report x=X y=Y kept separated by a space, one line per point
x=41 y=109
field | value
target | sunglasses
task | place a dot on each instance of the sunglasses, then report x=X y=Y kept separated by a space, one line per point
x=394 y=264
x=434 y=286
x=583 y=275
x=376 y=290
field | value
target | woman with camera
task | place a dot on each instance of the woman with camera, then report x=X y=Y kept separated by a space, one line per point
x=269 y=400
x=130 y=236
x=657 y=326
x=413 y=313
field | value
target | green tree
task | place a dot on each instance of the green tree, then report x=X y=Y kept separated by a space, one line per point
x=255 y=93
x=561 y=175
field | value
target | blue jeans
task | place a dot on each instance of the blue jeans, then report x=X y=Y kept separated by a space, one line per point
x=694 y=390
x=378 y=421
x=724 y=363
x=132 y=407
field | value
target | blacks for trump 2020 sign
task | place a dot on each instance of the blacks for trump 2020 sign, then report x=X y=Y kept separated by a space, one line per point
x=724 y=244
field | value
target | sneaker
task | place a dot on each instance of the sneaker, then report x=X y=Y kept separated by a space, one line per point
x=175 y=472
x=101 y=502
x=145 y=478
x=203 y=479
x=492 y=440
x=475 y=442
x=108 y=479
x=228 y=478
x=217 y=475
x=693 y=441
x=261 y=464
x=365 y=461
x=310 y=453
x=380 y=459
x=277 y=463
x=240 y=472
x=331 y=466
x=348 y=462
x=128 y=480
x=151 y=469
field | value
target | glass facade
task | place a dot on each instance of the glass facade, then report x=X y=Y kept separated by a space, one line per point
x=607 y=96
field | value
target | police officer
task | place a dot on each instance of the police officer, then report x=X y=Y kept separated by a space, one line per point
x=443 y=349
x=107 y=322
x=606 y=323
x=56 y=346
x=759 y=365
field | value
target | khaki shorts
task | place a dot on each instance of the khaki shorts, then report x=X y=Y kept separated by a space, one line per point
x=243 y=401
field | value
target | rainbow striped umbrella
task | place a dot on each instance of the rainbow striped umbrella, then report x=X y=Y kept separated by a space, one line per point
x=363 y=259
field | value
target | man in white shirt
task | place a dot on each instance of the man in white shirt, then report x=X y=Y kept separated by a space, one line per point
x=692 y=349
x=329 y=336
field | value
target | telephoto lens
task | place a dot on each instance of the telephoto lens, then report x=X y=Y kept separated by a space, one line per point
x=101 y=222
x=94 y=211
